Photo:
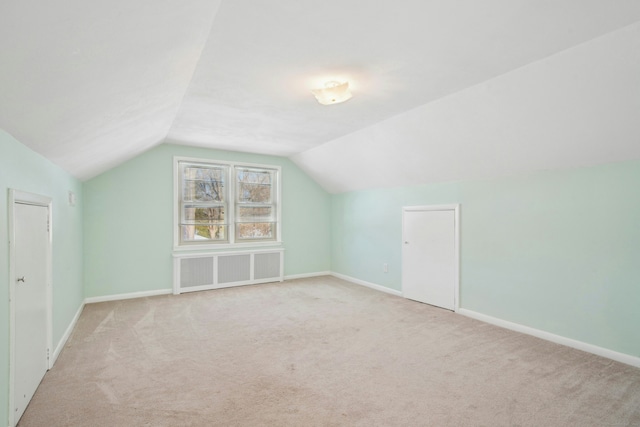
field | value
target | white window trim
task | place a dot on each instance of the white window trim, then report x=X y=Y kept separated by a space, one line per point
x=177 y=247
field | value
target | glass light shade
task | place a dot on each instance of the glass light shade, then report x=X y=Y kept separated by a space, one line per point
x=332 y=93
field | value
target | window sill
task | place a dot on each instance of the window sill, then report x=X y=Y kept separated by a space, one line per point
x=227 y=246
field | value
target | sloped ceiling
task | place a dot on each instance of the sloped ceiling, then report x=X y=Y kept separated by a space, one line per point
x=92 y=84
x=89 y=84
x=580 y=107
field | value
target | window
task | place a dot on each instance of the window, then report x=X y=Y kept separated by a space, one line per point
x=226 y=203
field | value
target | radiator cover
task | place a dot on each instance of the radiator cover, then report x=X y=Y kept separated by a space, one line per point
x=214 y=270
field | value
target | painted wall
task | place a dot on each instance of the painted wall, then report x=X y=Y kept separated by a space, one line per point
x=557 y=251
x=25 y=170
x=128 y=221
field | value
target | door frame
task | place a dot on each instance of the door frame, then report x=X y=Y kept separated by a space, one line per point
x=456 y=210
x=16 y=196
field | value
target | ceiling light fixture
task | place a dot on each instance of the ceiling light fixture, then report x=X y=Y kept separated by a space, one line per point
x=333 y=92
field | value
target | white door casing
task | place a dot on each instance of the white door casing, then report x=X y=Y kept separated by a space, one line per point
x=430 y=255
x=30 y=297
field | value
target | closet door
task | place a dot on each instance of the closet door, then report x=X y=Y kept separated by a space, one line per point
x=31 y=352
x=429 y=256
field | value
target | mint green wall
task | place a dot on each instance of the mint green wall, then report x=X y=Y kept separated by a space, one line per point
x=367 y=229
x=557 y=251
x=25 y=170
x=128 y=221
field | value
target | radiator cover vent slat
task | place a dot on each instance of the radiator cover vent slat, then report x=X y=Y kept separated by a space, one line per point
x=234 y=268
x=267 y=265
x=196 y=272
x=201 y=271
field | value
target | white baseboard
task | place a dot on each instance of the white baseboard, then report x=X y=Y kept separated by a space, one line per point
x=65 y=336
x=558 y=339
x=305 y=275
x=367 y=284
x=130 y=295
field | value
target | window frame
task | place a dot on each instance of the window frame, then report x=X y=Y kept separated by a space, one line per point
x=231 y=201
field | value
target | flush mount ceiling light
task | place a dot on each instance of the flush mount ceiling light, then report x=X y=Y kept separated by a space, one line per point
x=332 y=93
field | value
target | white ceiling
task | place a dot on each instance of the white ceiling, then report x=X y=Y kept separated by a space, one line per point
x=579 y=107
x=92 y=84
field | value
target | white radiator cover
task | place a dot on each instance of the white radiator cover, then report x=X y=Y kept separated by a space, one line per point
x=214 y=270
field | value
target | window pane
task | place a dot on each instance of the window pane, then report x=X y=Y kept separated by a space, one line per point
x=203 y=172
x=253 y=214
x=204 y=196
x=255 y=230
x=254 y=185
x=203 y=184
x=193 y=214
x=199 y=233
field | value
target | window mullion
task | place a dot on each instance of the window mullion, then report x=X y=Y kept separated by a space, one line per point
x=231 y=201
x=226 y=203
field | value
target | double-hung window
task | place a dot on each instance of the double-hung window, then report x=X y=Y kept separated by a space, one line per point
x=255 y=204
x=220 y=203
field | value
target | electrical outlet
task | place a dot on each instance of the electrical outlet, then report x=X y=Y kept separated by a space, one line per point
x=385 y=267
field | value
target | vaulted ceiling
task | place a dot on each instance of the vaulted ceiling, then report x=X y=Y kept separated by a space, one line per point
x=91 y=84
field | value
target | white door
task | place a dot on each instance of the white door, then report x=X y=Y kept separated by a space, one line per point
x=30 y=302
x=429 y=255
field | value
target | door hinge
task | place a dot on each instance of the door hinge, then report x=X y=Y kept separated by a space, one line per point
x=48 y=355
x=48 y=225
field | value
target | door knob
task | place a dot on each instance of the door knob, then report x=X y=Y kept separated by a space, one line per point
x=21 y=279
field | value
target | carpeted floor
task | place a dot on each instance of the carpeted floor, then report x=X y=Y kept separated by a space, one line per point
x=319 y=352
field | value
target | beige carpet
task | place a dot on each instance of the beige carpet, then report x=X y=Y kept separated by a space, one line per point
x=319 y=352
